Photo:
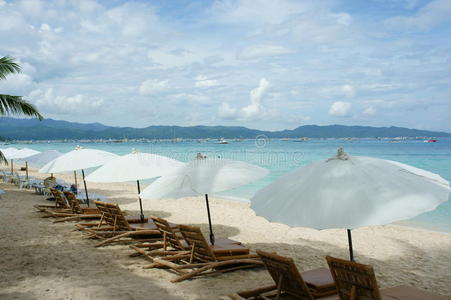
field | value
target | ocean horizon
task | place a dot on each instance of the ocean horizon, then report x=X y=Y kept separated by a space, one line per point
x=283 y=156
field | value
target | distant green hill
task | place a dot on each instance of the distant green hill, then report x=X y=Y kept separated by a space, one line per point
x=48 y=129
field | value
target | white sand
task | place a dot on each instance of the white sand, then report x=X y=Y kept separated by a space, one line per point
x=42 y=260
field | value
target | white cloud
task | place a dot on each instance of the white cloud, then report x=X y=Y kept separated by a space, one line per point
x=48 y=101
x=17 y=84
x=226 y=112
x=153 y=86
x=432 y=14
x=339 y=90
x=340 y=109
x=253 y=111
x=203 y=81
x=262 y=51
x=190 y=98
x=348 y=90
x=369 y=111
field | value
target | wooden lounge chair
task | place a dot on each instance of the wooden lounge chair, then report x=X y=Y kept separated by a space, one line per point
x=115 y=227
x=173 y=241
x=205 y=259
x=79 y=212
x=61 y=205
x=289 y=283
x=358 y=282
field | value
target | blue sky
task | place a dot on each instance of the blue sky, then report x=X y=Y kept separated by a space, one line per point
x=262 y=64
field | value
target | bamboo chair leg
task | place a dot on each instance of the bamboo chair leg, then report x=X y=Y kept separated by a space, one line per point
x=197 y=272
x=74 y=218
x=127 y=234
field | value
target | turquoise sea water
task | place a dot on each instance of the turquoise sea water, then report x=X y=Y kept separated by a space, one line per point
x=282 y=156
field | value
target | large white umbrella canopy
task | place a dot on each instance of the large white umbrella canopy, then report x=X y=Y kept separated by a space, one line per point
x=135 y=166
x=78 y=159
x=202 y=177
x=23 y=153
x=350 y=192
x=7 y=152
x=42 y=158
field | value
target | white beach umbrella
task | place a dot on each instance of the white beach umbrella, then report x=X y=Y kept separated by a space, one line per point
x=134 y=166
x=202 y=177
x=7 y=153
x=21 y=154
x=350 y=192
x=41 y=158
x=18 y=154
x=78 y=159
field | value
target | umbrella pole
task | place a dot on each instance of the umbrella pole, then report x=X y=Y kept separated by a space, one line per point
x=26 y=168
x=75 y=175
x=351 y=252
x=12 y=167
x=212 y=236
x=140 y=202
x=84 y=183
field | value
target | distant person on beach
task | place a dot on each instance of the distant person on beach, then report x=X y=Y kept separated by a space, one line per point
x=200 y=156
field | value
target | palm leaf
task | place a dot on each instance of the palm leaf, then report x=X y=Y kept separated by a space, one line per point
x=3 y=159
x=15 y=105
x=8 y=66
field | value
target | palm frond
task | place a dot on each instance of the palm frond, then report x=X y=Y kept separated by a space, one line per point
x=15 y=105
x=8 y=66
x=3 y=159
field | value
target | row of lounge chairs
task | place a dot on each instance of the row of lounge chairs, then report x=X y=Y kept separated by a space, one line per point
x=184 y=250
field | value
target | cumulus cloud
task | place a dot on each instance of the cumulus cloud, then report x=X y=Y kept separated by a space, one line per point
x=340 y=109
x=253 y=111
x=226 y=112
x=262 y=51
x=49 y=101
x=203 y=81
x=153 y=86
x=369 y=111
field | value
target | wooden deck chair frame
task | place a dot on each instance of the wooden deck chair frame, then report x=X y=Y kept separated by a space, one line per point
x=78 y=212
x=117 y=229
x=171 y=245
x=358 y=281
x=173 y=241
x=202 y=260
x=288 y=281
x=61 y=207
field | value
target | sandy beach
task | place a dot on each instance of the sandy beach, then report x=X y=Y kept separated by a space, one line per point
x=43 y=260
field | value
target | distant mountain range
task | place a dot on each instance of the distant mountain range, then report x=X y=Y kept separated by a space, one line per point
x=48 y=129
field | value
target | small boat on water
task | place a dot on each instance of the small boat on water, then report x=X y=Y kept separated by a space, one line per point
x=430 y=141
x=222 y=141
